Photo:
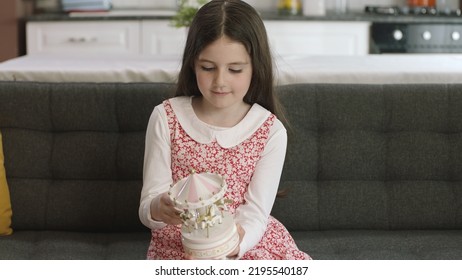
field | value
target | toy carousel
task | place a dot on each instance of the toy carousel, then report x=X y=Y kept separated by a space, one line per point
x=208 y=230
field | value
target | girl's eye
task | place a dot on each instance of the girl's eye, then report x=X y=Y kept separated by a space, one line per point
x=208 y=69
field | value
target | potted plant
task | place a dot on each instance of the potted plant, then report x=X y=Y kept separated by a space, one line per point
x=187 y=9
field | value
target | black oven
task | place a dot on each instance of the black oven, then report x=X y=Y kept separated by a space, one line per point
x=416 y=38
x=415 y=31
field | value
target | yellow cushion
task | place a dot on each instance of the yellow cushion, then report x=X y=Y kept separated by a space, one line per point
x=5 y=204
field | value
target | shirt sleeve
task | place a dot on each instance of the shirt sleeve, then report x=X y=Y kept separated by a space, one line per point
x=157 y=176
x=259 y=199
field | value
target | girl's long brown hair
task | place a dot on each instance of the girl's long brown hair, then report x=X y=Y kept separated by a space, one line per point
x=240 y=22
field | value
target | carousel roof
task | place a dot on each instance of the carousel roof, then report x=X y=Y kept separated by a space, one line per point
x=198 y=190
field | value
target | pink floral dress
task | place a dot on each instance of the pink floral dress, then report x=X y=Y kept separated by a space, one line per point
x=237 y=164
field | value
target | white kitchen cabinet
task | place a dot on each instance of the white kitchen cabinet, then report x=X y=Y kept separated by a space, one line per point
x=286 y=37
x=299 y=38
x=83 y=37
x=160 y=38
x=157 y=37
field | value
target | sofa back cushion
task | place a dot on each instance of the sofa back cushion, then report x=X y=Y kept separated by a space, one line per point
x=74 y=152
x=372 y=156
x=359 y=156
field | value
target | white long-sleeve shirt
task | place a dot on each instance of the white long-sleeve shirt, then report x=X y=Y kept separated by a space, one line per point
x=261 y=193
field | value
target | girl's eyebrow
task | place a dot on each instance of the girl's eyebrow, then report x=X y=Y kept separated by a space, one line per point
x=232 y=63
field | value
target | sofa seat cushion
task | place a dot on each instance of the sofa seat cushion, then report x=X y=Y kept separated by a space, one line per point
x=381 y=244
x=62 y=245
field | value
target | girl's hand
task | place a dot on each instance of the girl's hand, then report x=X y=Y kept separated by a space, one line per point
x=188 y=257
x=241 y=233
x=165 y=211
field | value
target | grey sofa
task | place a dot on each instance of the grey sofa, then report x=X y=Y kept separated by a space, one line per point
x=372 y=171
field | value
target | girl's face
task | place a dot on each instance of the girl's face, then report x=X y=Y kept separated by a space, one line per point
x=224 y=72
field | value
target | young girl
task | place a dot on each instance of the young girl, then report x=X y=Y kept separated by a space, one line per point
x=222 y=120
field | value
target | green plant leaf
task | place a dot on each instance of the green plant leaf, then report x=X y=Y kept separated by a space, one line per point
x=186 y=11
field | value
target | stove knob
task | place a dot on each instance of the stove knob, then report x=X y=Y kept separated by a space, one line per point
x=455 y=36
x=426 y=35
x=398 y=34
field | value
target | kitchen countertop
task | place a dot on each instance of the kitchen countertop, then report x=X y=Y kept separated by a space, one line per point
x=368 y=69
x=167 y=14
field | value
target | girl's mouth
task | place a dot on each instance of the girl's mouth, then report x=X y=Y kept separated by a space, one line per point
x=220 y=92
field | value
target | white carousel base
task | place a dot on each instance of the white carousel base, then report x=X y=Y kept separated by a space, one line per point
x=215 y=243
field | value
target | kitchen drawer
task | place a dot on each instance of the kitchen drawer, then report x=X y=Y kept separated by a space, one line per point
x=83 y=37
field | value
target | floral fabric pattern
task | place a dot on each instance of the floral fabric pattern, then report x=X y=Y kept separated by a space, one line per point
x=237 y=164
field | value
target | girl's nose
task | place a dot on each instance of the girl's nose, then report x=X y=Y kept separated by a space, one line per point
x=220 y=78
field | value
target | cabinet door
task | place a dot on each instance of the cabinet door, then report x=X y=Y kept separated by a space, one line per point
x=160 y=38
x=83 y=37
x=299 y=38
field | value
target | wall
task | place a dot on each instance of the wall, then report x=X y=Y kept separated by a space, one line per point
x=9 y=30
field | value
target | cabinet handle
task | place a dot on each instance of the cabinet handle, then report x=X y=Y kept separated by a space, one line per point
x=82 y=39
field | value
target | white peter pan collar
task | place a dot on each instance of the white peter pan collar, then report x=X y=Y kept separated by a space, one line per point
x=204 y=133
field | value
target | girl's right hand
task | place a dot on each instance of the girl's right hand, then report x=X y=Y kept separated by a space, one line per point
x=163 y=210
